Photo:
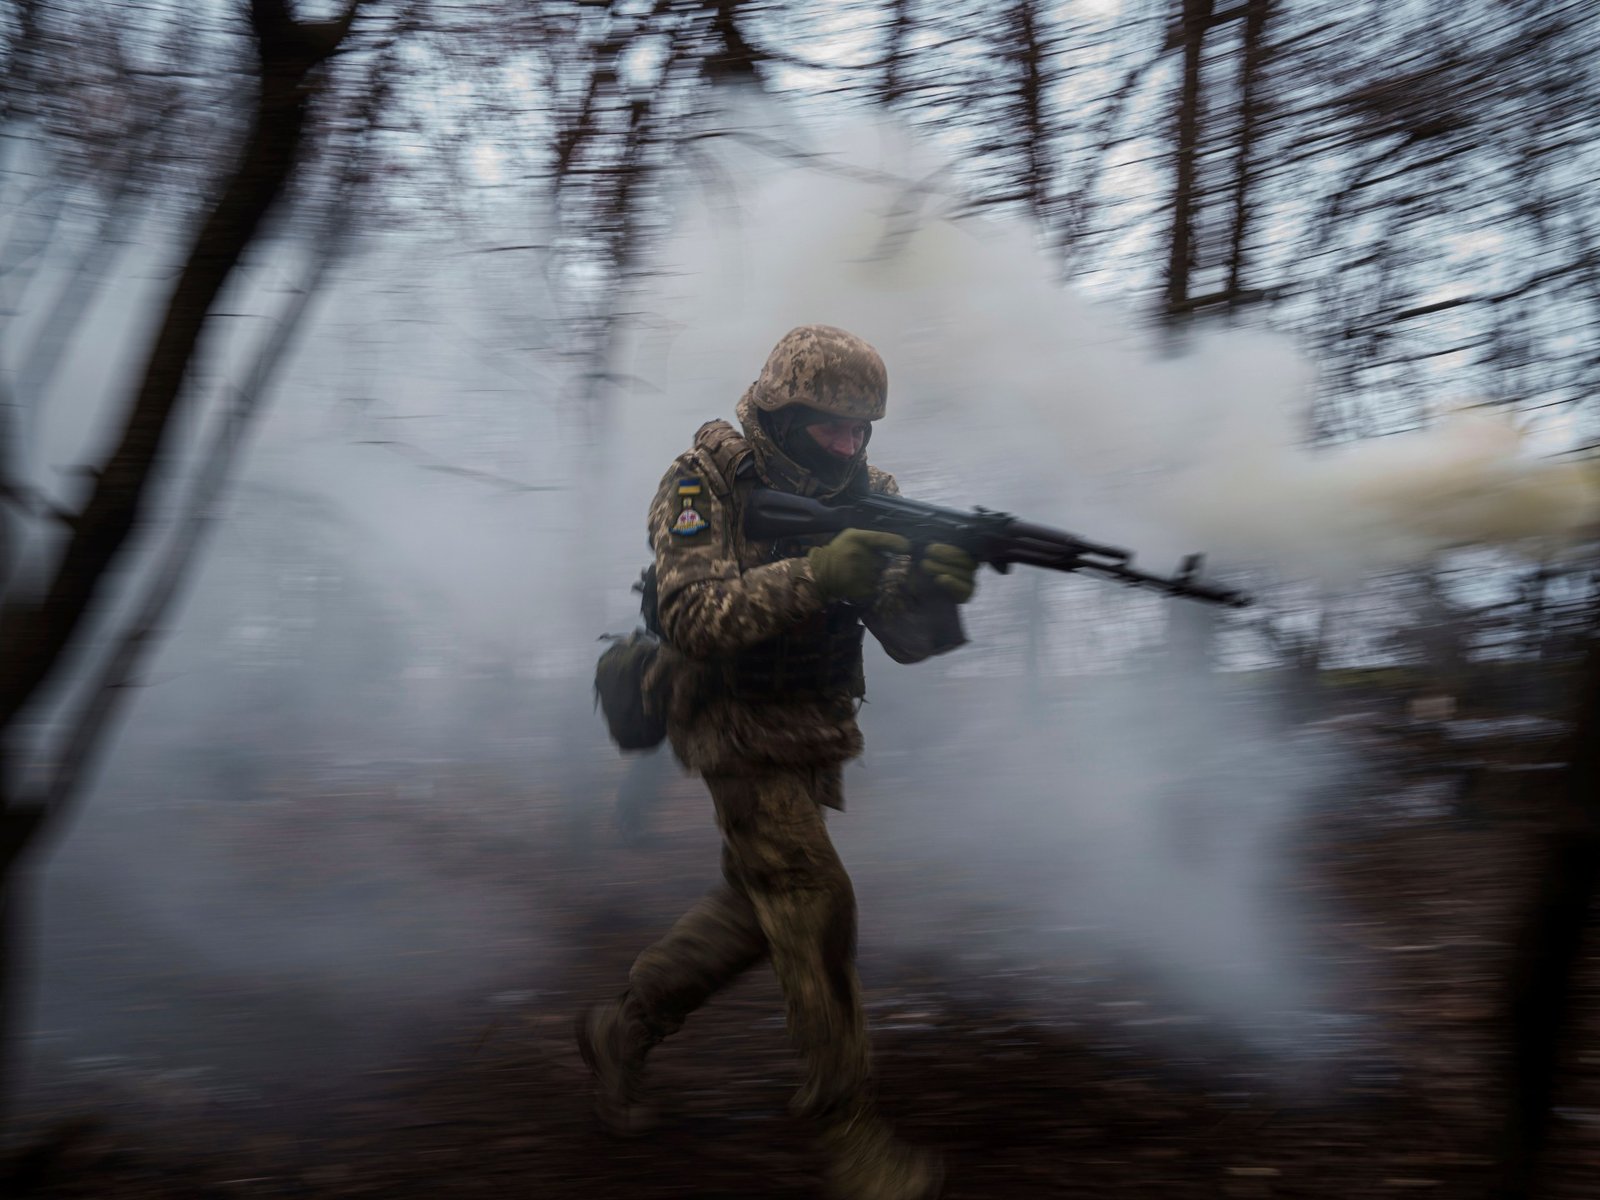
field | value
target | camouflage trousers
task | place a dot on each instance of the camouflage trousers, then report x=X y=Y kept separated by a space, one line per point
x=784 y=895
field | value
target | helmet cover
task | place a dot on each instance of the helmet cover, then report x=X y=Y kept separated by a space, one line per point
x=827 y=369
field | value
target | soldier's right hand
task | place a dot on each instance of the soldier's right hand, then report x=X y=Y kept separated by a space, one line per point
x=848 y=567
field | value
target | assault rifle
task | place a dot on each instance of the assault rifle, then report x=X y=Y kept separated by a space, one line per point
x=996 y=538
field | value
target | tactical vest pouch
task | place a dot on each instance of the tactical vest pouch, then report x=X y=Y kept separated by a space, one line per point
x=631 y=690
x=649 y=602
x=820 y=658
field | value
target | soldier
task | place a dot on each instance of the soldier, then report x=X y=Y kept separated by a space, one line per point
x=763 y=697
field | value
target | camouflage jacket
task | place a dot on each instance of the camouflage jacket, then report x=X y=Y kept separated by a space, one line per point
x=722 y=594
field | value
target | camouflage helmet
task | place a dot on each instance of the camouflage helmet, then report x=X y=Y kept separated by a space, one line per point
x=826 y=369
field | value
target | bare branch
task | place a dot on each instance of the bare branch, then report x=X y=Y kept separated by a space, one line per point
x=36 y=637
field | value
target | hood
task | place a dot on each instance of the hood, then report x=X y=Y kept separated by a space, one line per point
x=780 y=471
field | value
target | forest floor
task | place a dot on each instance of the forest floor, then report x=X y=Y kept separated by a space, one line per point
x=1075 y=1073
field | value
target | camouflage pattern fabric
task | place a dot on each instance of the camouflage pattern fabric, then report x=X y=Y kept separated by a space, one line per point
x=772 y=768
x=719 y=592
x=785 y=896
x=826 y=369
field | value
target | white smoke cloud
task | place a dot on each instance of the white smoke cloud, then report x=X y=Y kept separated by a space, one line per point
x=996 y=362
x=1006 y=390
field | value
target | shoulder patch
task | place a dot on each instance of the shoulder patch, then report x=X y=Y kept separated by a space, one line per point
x=689 y=522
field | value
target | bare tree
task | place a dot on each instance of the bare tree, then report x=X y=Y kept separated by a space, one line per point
x=1551 y=933
x=39 y=633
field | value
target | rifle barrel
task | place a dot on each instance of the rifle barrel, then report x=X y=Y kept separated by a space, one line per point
x=996 y=538
x=1185 y=588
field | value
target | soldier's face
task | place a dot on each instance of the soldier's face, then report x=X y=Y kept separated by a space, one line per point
x=840 y=437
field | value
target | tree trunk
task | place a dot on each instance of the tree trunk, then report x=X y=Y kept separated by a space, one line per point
x=36 y=638
x=1190 y=627
x=732 y=58
x=1196 y=19
x=1548 y=944
x=896 y=56
x=1033 y=86
x=1251 y=68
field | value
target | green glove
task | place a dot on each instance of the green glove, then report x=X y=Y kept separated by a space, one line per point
x=848 y=567
x=952 y=569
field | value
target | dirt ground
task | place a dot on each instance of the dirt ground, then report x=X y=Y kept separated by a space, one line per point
x=1132 y=1092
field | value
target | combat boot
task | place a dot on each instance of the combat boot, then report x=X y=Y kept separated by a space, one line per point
x=614 y=1039
x=867 y=1162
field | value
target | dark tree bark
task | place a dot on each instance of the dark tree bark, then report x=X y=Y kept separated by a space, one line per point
x=36 y=636
x=1032 y=87
x=1548 y=945
x=1191 y=627
x=896 y=58
x=1195 y=20
x=1251 y=67
x=731 y=57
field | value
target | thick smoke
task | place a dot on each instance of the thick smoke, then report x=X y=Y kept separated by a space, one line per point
x=394 y=608
x=1139 y=808
x=1202 y=442
x=1035 y=778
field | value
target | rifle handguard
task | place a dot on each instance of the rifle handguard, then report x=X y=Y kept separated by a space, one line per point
x=996 y=538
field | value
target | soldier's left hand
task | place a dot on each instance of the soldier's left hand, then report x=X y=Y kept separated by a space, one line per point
x=952 y=569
